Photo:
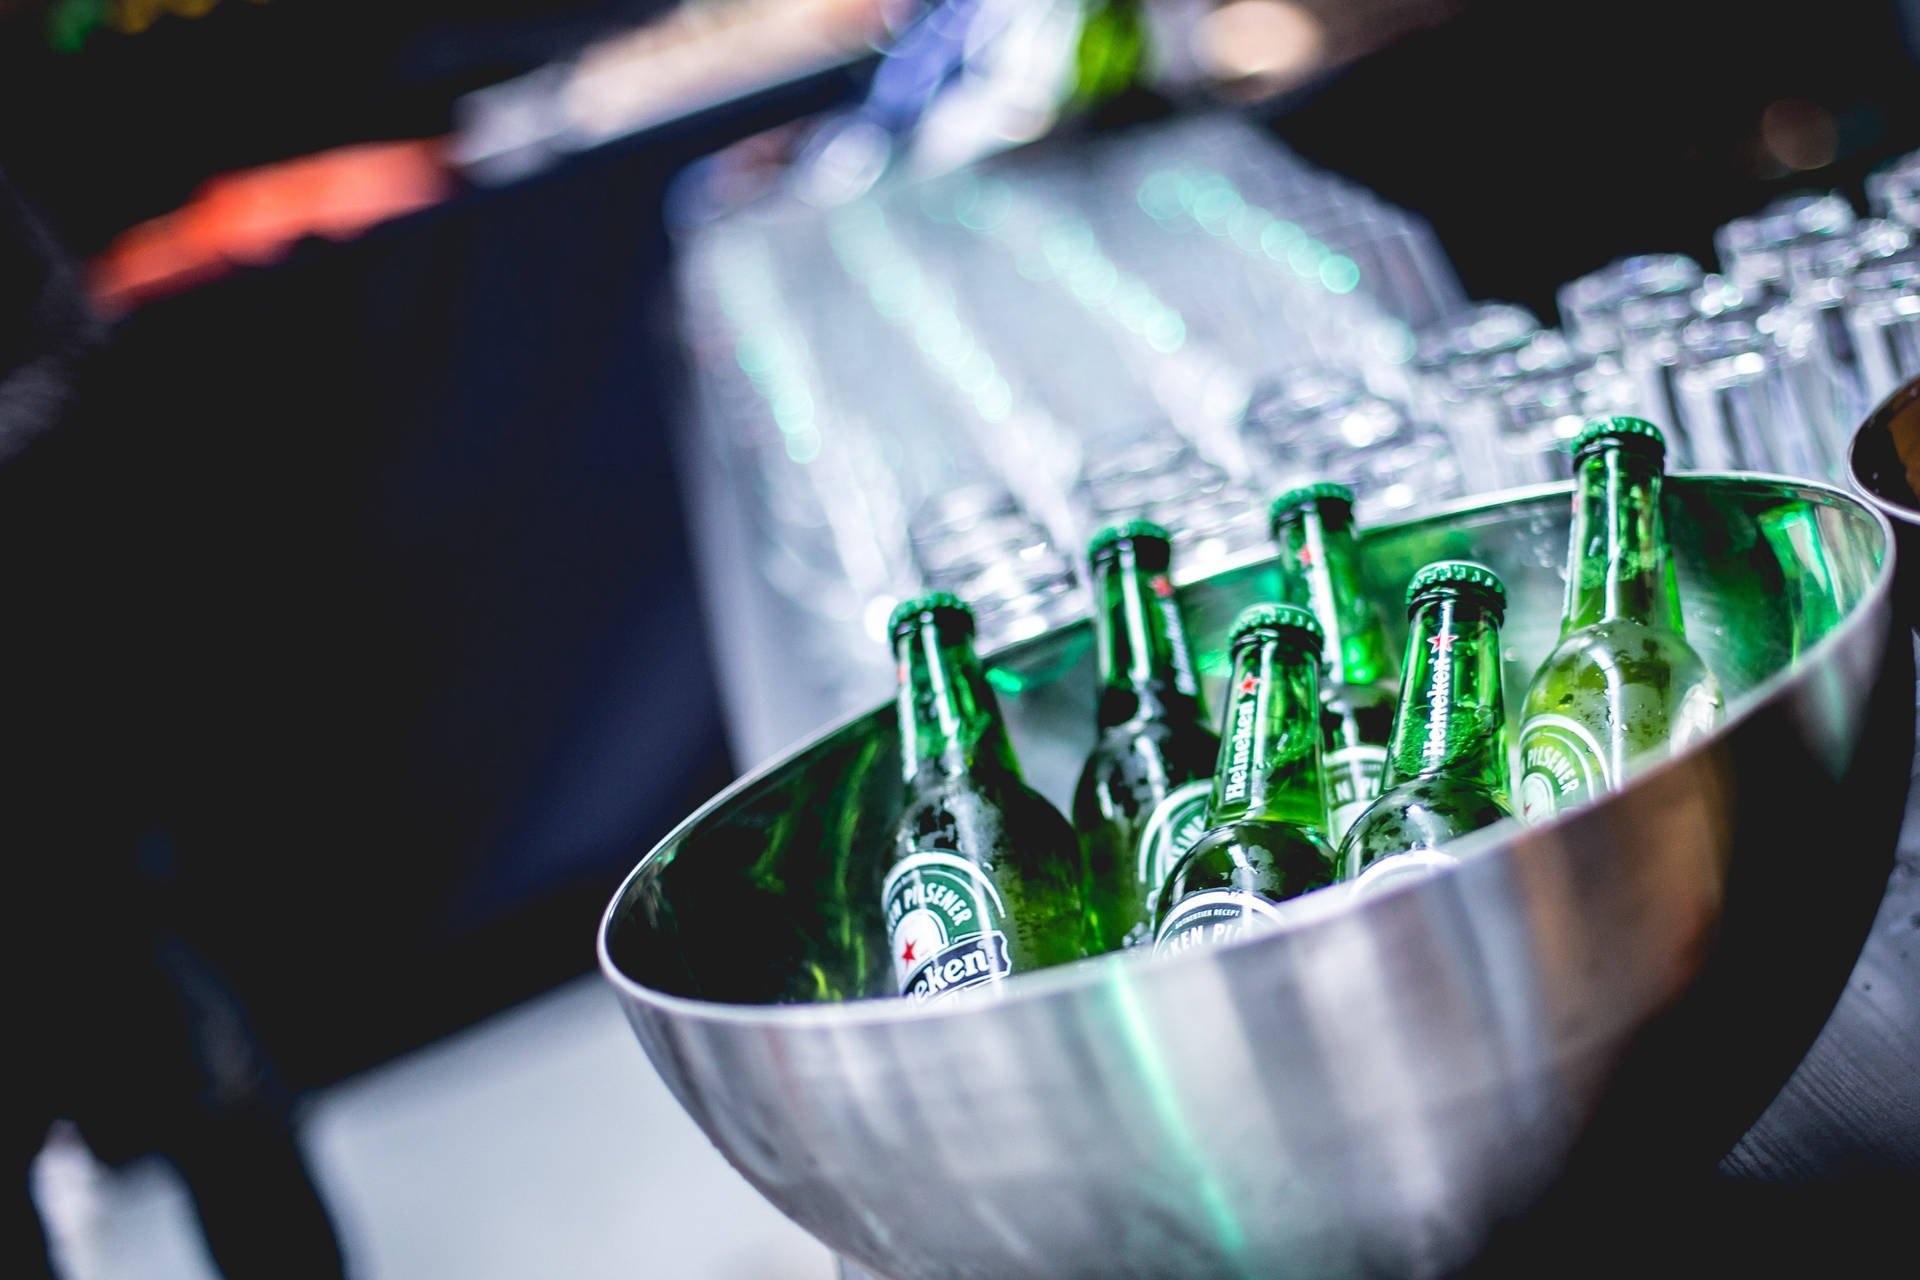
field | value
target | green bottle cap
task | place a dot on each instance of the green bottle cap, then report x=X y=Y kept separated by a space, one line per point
x=1307 y=496
x=1288 y=620
x=1462 y=575
x=1632 y=432
x=942 y=608
x=1132 y=531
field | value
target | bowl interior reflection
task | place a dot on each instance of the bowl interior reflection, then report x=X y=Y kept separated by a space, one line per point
x=769 y=895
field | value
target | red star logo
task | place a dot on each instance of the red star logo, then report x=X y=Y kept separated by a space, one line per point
x=1306 y=555
x=906 y=956
x=1442 y=642
x=1249 y=684
x=1162 y=587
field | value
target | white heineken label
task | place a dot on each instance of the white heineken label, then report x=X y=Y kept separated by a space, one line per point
x=1214 y=917
x=945 y=922
x=1353 y=782
x=1399 y=869
x=1175 y=823
x=1561 y=764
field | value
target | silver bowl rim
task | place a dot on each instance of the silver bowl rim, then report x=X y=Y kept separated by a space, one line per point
x=1898 y=399
x=1089 y=972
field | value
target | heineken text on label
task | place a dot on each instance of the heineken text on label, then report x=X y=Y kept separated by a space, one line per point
x=1440 y=695
x=1214 y=918
x=1183 y=678
x=986 y=876
x=944 y=922
x=1246 y=714
x=1320 y=591
x=1561 y=764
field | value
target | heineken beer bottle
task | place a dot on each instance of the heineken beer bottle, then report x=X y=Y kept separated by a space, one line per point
x=1446 y=769
x=986 y=877
x=1320 y=568
x=1154 y=744
x=1623 y=680
x=1267 y=817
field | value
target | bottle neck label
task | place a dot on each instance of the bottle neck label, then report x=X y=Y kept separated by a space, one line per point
x=1236 y=773
x=1353 y=780
x=1452 y=717
x=1175 y=823
x=1145 y=664
x=1320 y=568
x=1561 y=765
x=946 y=925
x=1176 y=631
x=1269 y=761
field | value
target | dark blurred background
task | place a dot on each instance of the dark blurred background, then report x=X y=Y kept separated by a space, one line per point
x=421 y=669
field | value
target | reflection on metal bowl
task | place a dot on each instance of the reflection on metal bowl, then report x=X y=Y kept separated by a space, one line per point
x=1884 y=464
x=1373 y=1090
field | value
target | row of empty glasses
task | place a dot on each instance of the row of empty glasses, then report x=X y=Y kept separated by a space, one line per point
x=1767 y=365
x=951 y=383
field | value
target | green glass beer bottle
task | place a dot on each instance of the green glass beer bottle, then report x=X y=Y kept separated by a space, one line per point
x=986 y=877
x=1154 y=741
x=1447 y=764
x=1265 y=841
x=1320 y=568
x=1110 y=56
x=1623 y=681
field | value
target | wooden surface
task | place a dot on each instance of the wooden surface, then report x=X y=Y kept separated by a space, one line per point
x=1852 y=1108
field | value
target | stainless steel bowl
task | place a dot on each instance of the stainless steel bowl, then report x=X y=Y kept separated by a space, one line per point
x=1573 y=1009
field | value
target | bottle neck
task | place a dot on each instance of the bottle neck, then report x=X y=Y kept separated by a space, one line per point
x=949 y=723
x=1146 y=666
x=1452 y=718
x=1320 y=568
x=1269 y=765
x=1618 y=557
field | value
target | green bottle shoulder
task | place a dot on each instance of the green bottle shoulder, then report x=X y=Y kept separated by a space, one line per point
x=998 y=822
x=1615 y=651
x=1421 y=813
x=1277 y=859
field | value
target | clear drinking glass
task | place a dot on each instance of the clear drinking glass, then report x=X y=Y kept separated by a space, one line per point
x=1755 y=395
x=1883 y=321
x=1819 y=277
x=1590 y=306
x=1541 y=411
x=1325 y=425
x=1893 y=190
x=1753 y=249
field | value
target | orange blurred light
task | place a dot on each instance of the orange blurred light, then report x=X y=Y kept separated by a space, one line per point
x=252 y=217
x=1273 y=43
x=1799 y=134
